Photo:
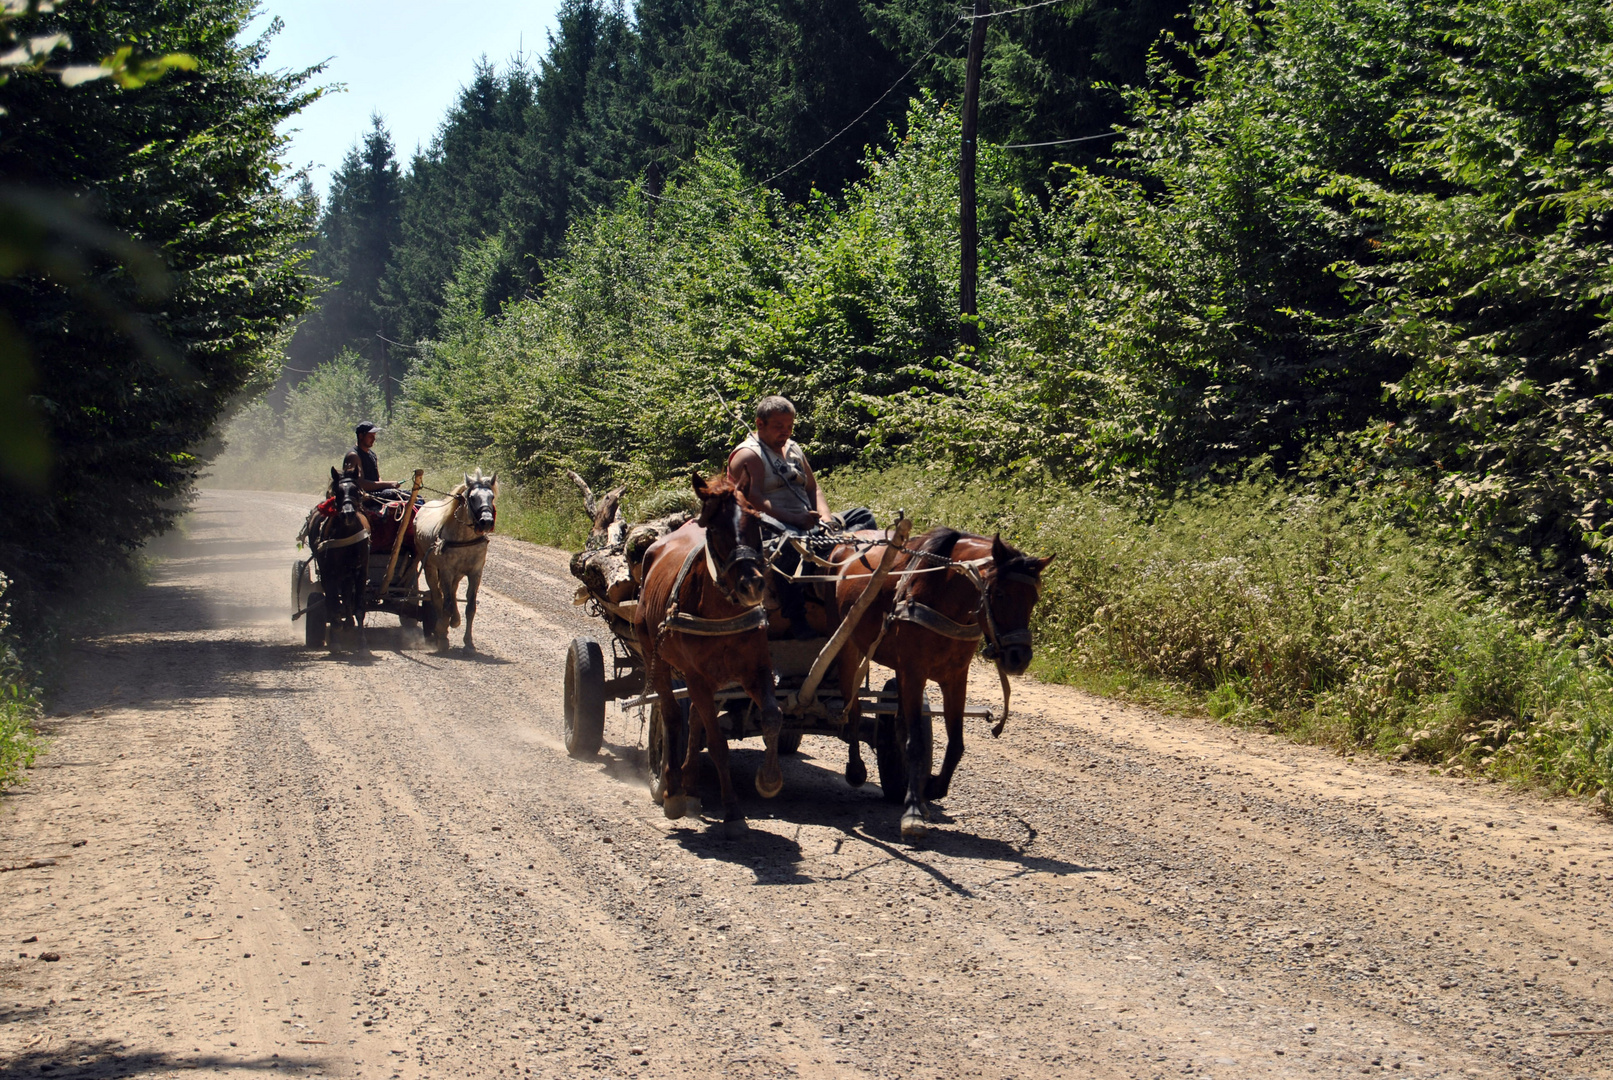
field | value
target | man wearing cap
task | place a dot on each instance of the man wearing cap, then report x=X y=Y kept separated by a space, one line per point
x=363 y=459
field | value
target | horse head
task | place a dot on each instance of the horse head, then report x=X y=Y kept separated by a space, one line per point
x=346 y=489
x=478 y=500
x=1012 y=587
x=734 y=539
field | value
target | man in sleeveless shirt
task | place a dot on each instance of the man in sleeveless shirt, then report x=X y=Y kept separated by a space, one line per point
x=362 y=458
x=773 y=472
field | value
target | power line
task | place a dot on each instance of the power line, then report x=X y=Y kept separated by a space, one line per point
x=1059 y=142
x=830 y=141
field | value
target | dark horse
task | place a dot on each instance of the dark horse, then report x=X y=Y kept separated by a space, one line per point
x=700 y=615
x=341 y=543
x=951 y=590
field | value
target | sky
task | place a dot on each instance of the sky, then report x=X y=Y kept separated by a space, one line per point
x=404 y=59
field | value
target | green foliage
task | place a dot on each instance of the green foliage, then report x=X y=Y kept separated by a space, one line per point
x=1271 y=605
x=185 y=166
x=351 y=250
x=323 y=409
x=19 y=705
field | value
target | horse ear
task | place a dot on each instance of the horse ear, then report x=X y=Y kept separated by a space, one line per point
x=467 y=480
x=699 y=482
x=999 y=550
x=1042 y=563
x=334 y=475
x=492 y=481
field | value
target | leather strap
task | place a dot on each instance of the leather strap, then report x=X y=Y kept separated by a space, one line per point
x=681 y=623
x=914 y=612
x=346 y=541
x=464 y=543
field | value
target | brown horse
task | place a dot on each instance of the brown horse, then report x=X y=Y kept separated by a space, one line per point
x=950 y=590
x=700 y=615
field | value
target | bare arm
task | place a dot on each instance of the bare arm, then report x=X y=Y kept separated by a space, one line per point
x=816 y=493
x=350 y=463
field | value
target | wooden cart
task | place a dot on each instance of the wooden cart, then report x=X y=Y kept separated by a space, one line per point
x=806 y=685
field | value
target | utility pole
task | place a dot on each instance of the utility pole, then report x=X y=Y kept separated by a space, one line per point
x=969 y=261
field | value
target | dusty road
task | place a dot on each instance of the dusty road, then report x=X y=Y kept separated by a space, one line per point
x=249 y=856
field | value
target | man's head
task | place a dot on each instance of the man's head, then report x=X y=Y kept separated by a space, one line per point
x=775 y=421
x=366 y=433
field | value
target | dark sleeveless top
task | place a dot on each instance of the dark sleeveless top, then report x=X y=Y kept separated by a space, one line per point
x=368 y=464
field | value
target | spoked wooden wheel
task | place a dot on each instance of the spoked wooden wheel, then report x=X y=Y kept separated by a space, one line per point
x=655 y=753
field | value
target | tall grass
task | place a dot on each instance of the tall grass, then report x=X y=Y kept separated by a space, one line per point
x=1266 y=605
x=19 y=707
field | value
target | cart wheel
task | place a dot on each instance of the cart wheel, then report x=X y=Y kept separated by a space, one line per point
x=789 y=742
x=313 y=622
x=889 y=757
x=301 y=581
x=585 y=698
x=655 y=753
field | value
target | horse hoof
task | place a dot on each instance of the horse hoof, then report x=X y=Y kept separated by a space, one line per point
x=674 y=806
x=732 y=829
x=913 y=827
x=453 y=624
x=769 y=782
x=856 y=773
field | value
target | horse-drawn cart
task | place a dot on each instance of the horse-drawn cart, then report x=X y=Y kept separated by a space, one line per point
x=806 y=683
x=392 y=581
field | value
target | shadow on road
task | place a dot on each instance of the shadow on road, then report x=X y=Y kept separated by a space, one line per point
x=105 y=1058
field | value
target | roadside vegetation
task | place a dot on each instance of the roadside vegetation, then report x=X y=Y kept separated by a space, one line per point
x=1298 y=361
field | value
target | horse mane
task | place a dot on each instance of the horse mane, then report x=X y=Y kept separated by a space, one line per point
x=939 y=542
x=721 y=485
x=431 y=517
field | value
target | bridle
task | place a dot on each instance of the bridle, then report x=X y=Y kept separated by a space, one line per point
x=907 y=609
x=464 y=506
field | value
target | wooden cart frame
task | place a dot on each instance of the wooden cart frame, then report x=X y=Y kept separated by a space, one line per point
x=799 y=668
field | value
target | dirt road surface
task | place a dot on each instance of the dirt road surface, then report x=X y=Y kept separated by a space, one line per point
x=251 y=857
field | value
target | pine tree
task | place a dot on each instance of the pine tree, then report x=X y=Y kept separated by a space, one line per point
x=360 y=223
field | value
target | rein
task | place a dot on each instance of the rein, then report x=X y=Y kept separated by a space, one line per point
x=346 y=541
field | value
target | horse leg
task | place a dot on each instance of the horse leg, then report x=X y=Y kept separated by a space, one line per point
x=953 y=691
x=703 y=708
x=913 y=730
x=769 y=778
x=851 y=662
x=473 y=583
x=674 y=738
x=439 y=625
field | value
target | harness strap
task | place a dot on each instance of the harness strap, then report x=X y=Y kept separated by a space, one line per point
x=463 y=543
x=346 y=541
x=680 y=623
x=931 y=619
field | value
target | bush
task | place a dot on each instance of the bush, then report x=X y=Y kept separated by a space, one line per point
x=1265 y=603
x=19 y=706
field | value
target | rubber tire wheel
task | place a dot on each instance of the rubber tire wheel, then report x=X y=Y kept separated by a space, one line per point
x=789 y=743
x=584 y=702
x=655 y=756
x=888 y=757
x=313 y=621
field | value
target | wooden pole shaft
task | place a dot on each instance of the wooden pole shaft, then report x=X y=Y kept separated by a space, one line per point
x=820 y=667
x=403 y=529
x=969 y=256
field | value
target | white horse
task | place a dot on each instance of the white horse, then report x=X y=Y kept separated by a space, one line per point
x=451 y=538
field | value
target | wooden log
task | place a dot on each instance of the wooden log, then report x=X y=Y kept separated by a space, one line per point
x=640 y=537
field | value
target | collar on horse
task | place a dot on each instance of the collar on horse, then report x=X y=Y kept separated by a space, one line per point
x=678 y=622
x=907 y=609
x=346 y=541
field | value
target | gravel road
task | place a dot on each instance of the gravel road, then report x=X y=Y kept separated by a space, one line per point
x=250 y=856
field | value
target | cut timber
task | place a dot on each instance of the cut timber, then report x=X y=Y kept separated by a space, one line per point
x=605 y=573
x=608 y=529
x=640 y=537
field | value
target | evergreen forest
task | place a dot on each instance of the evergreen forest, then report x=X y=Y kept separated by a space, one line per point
x=1292 y=316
